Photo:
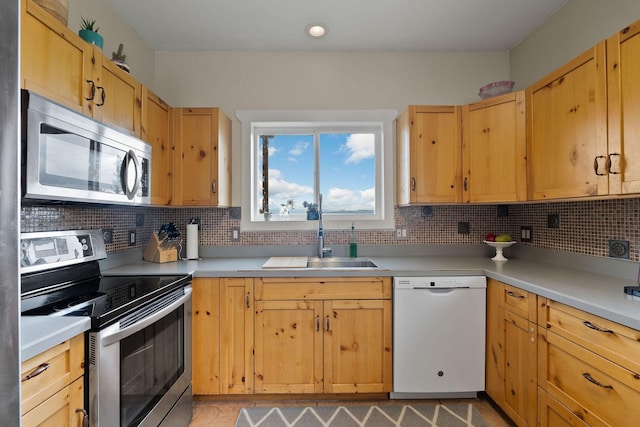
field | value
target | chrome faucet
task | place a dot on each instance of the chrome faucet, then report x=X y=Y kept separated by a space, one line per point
x=322 y=251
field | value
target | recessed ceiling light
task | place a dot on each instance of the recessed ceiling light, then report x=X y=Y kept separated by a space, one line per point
x=316 y=30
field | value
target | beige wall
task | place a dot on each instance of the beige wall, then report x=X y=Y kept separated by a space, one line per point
x=140 y=57
x=303 y=80
x=572 y=30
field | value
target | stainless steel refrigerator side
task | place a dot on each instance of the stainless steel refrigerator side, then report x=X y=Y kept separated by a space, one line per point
x=9 y=213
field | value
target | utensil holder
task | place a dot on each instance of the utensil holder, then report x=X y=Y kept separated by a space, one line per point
x=158 y=251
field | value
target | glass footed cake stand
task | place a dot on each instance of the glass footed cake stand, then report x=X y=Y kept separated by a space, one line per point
x=499 y=247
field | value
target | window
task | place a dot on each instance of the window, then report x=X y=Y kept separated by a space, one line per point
x=291 y=157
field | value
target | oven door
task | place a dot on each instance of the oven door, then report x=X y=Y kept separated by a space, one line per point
x=140 y=368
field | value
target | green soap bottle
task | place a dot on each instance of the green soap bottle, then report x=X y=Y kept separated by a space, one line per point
x=353 y=245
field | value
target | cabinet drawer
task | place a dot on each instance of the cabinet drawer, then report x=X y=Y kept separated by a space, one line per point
x=552 y=413
x=296 y=288
x=58 y=367
x=518 y=301
x=595 y=389
x=609 y=339
x=64 y=408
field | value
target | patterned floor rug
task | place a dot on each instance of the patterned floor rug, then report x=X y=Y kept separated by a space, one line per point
x=414 y=415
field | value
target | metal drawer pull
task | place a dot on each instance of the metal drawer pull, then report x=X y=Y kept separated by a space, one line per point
x=40 y=369
x=592 y=380
x=247 y=301
x=596 y=327
x=514 y=295
x=85 y=417
x=317 y=323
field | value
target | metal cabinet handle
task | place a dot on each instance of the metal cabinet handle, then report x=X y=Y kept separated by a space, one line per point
x=592 y=380
x=40 y=369
x=464 y=185
x=317 y=323
x=103 y=97
x=609 y=162
x=85 y=417
x=514 y=295
x=596 y=165
x=247 y=301
x=213 y=186
x=93 y=90
x=596 y=327
x=413 y=184
x=328 y=323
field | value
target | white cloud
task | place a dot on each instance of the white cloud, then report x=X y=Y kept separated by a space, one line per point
x=360 y=146
x=280 y=188
x=299 y=148
x=342 y=199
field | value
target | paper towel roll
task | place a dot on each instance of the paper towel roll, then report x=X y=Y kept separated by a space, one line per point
x=192 y=241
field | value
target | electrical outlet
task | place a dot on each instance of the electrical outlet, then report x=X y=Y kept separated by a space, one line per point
x=463 y=228
x=132 y=237
x=235 y=234
x=526 y=234
x=401 y=234
x=107 y=235
x=196 y=220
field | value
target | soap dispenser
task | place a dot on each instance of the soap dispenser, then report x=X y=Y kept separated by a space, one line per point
x=353 y=245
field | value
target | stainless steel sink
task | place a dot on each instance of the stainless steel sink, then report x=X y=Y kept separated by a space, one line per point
x=340 y=263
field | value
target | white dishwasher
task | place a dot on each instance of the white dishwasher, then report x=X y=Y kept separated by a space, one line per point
x=438 y=336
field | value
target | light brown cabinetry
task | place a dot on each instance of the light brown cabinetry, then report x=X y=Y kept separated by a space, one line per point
x=157 y=130
x=623 y=69
x=59 y=65
x=203 y=165
x=222 y=336
x=329 y=335
x=589 y=368
x=494 y=149
x=567 y=130
x=511 y=351
x=428 y=155
x=53 y=386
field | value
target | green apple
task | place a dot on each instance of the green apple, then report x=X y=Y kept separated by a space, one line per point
x=503 y=238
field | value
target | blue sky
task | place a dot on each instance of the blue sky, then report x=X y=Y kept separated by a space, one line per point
x=346 y=171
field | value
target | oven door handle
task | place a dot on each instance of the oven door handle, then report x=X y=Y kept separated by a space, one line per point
x=114 y=333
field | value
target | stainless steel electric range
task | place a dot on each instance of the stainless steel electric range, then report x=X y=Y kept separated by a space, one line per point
x=138 y=352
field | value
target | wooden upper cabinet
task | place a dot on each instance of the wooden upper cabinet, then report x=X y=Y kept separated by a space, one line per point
x=567 y=130
x=157 y=130
x=203 y=166
x=428 y=155
x=623 y=71
x=55 y=62
x=59 y=65
x=494 y=149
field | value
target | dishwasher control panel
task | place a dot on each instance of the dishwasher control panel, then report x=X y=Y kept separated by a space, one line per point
x=440 y=282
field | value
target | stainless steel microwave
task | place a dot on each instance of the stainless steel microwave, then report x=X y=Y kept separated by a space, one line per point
x=68 y=157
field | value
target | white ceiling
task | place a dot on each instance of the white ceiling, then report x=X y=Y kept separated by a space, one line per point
x=354 y=25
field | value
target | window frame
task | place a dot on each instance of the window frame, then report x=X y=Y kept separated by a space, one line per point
x=252 y=120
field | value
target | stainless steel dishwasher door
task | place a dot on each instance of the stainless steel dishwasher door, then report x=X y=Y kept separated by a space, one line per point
x=438 y=336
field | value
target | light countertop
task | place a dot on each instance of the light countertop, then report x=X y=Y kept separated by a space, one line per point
x=40 y=333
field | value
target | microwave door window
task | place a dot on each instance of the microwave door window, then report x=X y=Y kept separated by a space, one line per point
x=110 y=166
x=65 y=159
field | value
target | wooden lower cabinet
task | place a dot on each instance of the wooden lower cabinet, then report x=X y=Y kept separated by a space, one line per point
x=52 y=389
x=511 y=351
x=588 y=368
x=222 y=336
x=308 y=342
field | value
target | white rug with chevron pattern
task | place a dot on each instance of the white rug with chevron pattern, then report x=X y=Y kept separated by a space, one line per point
x=414 y=415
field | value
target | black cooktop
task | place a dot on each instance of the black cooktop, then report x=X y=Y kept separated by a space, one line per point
x=104 y=298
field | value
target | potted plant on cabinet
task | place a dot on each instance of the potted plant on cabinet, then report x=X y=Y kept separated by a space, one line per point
x=89 y=32
x=120 y=59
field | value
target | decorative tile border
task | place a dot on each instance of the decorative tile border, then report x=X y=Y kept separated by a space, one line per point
x=585 y=226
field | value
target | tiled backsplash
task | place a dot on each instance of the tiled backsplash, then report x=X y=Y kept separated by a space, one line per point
x=585 y=226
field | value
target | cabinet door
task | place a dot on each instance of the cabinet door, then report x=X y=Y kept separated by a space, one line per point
x=435 y=159
x=567 y=130
x=494 y=152
x=623 y=58
x=520 y=369
x=552 y=413
x=55 y=62
x=236 y=335
x=205 y=336
x=494 y=372
x=357 y=347
x=157 y=130
x=203 y=175
x=64 y=408
x=288 y=347
x=118 y=102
